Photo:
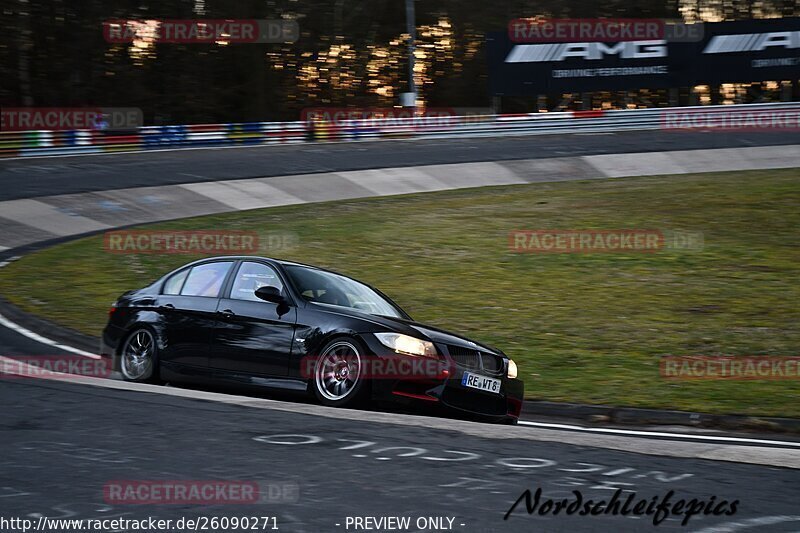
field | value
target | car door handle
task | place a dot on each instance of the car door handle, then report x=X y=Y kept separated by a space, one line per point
x=227 y=313
x=166 y=307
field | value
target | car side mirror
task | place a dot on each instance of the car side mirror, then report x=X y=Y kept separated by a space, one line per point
x=270 y=294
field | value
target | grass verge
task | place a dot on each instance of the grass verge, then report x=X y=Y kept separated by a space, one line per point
x=583 y=327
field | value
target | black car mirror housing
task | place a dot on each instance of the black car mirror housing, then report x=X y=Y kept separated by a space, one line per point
x=270 y=294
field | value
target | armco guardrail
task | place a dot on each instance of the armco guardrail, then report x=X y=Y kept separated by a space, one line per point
x=784 y=116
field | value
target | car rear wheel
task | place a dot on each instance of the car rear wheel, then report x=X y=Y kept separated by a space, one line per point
x=139 y=357
x=339 y=379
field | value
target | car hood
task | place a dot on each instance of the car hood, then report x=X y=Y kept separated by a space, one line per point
x=445 y=337
x=416 y=329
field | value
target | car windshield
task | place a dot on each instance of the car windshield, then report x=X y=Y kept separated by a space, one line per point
x=327 y=288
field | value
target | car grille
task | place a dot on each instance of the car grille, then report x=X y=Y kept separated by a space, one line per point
x=476 y=360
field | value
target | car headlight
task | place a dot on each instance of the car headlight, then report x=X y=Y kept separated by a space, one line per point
x=512 y=369
x=406 y=344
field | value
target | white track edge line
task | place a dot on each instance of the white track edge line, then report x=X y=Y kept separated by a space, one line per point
x=43 y=340
x=658 y=434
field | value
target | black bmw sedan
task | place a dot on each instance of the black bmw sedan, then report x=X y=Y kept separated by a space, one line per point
x=272 y=324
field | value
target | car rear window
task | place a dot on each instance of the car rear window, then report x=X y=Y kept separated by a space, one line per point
x=175 y=283
x=206 y=279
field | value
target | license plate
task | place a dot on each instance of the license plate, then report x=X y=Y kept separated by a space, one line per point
x=475 y=381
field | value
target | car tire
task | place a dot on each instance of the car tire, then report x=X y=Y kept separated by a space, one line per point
x=138 y=358
x=339 y=379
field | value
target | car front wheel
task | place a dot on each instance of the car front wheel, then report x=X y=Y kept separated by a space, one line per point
x=339 y=374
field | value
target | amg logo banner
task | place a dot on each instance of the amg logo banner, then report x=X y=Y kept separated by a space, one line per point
x=752 y=42
x=741 y=51
x=537 y=53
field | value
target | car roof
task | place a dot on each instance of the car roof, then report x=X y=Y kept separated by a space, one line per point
x=282 y=262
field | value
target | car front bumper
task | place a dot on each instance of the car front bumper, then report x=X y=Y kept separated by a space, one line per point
x=446 y=390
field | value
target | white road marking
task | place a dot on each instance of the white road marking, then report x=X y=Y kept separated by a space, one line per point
x=44 y=340
x=658 y=434
x=9 y=260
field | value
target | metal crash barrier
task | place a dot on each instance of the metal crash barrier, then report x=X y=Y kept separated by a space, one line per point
x=761 y=117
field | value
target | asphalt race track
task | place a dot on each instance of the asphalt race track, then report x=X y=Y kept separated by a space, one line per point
x=33 y=177
x=62 y=443
x=318 y=469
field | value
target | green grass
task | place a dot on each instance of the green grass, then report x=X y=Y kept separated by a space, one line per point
x=583 y=328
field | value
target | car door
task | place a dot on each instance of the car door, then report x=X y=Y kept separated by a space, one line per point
x=253 y=336
x=187 y=307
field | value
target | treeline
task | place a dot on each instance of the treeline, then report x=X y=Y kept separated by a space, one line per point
x=351 y=52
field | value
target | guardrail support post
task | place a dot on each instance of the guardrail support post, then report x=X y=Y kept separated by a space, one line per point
x=411 y=26
x=714 y=93
x=674 y=97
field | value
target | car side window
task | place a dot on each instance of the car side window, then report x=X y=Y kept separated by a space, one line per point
x=252 y=276
x=174 y=284
x=206 y=280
